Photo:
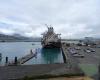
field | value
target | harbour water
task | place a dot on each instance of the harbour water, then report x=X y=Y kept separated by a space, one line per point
x=44 y=56
x=20 y=49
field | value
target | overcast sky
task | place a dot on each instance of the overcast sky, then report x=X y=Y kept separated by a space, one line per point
x=71 y=18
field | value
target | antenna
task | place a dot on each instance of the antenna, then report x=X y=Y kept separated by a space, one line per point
x=46 y=25
x=50 y=26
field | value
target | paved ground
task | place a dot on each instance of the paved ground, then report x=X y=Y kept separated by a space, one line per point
x=69 y=58
x=66 y=78
x=89 y=58
x=13 y=72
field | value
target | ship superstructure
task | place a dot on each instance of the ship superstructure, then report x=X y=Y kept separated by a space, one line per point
x=51 y=39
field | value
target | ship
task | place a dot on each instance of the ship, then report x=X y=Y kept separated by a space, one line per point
x=50 y=39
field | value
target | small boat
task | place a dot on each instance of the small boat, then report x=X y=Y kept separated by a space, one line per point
x=33 y=44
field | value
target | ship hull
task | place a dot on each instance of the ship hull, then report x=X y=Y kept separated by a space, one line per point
x=53 y=45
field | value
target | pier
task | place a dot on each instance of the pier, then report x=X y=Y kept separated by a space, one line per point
x=65 y=57
x=24 y=59
x=38 y=71
x=68 y=58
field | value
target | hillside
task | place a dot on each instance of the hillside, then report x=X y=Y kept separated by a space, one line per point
x=16 y=38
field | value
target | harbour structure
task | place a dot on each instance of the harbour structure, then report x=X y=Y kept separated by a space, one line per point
x=0 y=56
x=50 y=39
x=89 y=41
x=22 y=60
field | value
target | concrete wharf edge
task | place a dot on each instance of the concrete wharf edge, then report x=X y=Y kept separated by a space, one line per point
x=18 y=72
x=68 y=58
x=64 y=54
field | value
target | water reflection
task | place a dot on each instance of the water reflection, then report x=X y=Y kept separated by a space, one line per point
x=19 y=49
x=50 y=55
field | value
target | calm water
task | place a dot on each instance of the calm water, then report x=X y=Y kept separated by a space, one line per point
x=19 y=49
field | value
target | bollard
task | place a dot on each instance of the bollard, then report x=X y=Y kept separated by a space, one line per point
x=6 y=60
x=15 y=61
x=0 y=56
x=31 y=51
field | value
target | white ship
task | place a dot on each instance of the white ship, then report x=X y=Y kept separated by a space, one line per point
x=51 y=39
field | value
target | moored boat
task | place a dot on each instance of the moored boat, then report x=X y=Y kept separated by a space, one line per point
x=51 y=39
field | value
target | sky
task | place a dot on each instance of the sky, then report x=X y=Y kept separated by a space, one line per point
x=71 y=18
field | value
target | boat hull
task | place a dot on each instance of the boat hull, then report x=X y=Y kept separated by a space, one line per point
x=52 y=45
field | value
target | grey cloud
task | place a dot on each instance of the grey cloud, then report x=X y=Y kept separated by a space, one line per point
x=72 y=18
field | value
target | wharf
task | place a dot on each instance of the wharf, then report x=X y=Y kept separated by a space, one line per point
x=68 y=57
x=89 y=57
x=24 y=59
x=89 y=61
x=38 y=71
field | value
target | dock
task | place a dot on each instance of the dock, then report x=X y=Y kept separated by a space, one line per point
x=90 y=58
x=41 y=71
x=65 y=56
x=24 y=59
x=38 y=71
x=68 y=58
